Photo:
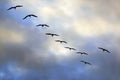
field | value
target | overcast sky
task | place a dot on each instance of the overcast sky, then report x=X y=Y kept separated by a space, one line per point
x=26 y=53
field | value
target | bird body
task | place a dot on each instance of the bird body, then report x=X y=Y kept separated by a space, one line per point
x=86 y=62
x=30 y=15
x=14 y=7
x=43 y=25
x=104 y=49
x=61 y=41
x=70 y=48
x=51 y=34
x=82 y=53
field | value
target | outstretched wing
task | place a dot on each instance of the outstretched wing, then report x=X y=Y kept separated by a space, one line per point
x=85 y=53
x=48 y=34
x=33 y=15
x=82 y=61
x=61 y=41
x=18 y=6
x=85 y=62
x=39 y=25
x=107 y=51
x=64 y=42
x=43 y=25
x=70 y=48
x=79 y=52
x=88 y=63
x=67 y=47
x=46 y=25
x=73 y=49
x=55 y=35
x=82 y=53
x=57 y=40
x=11 y=8
x=25 y=17
x=100 y=48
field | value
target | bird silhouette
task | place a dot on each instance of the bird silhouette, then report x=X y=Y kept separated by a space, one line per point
x=61 y=41
x=51 y=34
x=70 y=48
x=104 y=50
x=30 y=15
x=43 y=25
x=85 y=62
x=82 y=53
x=14 y=7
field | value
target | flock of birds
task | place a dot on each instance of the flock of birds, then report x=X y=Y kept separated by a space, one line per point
x=52 y=35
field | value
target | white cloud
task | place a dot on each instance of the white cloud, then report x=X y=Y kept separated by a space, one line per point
x=81 y=15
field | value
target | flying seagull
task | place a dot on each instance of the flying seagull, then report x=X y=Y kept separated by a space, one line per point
x=82 y=53
x=14 y=7
x=61 y=41
x=85 y=62
x=51 y=34
x=30 y=15
x=70 y=48
x=104 y=49
x=43 y=25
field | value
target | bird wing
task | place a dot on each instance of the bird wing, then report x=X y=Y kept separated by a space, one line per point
x=11 y=8
x=82 y=61
x=55 y=34
x=25 y=17
x=57 y=40
x=100 y=48
x=39 y=25
x=19 y=6
x=48 y=34
x=33 y=15
x=85 y=53
x=73 y=48
x=67 y=47
x=107 y=51
x=46 y=25
x=64 y=41
x=79 y=52
x=88 y=63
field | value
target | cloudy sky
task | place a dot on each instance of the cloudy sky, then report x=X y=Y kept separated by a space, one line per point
x=26 y=53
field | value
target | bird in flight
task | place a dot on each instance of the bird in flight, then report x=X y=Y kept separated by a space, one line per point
x=70 y=48
x=85 y=62
x=43 y=25
x=30 y=15
x=104 y=49
x=61 y=41
x=14 y=7
x=82 y=53
x=51 y=34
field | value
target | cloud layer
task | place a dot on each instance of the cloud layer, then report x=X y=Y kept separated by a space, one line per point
x=26 y=53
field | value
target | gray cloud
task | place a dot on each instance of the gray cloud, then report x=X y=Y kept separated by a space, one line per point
x=110 y=12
